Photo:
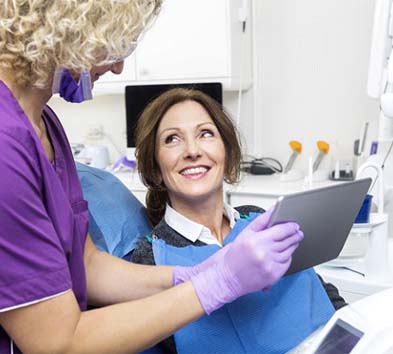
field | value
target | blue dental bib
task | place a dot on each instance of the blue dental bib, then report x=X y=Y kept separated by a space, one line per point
x=270 y=322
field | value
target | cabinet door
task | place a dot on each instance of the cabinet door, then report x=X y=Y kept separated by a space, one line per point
x=189 y=40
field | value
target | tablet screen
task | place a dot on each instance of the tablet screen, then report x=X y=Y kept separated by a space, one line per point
x=325 y=215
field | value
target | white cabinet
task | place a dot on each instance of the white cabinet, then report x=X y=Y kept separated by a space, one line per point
x=263 y=191
x=190 y=41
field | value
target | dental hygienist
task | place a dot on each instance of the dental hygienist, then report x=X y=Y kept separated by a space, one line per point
x=50 y=270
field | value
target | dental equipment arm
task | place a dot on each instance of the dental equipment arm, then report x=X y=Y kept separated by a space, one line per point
x=380 y=75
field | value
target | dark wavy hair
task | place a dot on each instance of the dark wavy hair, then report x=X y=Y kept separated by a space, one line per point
x=145 y=137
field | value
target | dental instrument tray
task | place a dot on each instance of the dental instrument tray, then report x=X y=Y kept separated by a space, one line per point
x=325 y=216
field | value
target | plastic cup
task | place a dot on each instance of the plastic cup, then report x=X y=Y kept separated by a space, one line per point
x=363 y=216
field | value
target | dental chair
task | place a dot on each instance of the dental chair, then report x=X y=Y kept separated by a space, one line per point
x=117 y=217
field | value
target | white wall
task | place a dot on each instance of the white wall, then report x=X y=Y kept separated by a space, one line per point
x=105 y=111
x=310 y=72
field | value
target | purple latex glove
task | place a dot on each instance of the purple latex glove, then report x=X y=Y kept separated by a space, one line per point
x=256 y=260
x=182 y=274
x=69 y=89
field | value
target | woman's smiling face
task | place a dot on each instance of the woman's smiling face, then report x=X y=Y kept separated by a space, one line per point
x=190 y=153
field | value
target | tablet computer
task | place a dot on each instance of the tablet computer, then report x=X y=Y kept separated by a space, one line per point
x=325 y=216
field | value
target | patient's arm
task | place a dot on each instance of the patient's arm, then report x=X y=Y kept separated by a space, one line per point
x=335 y=298
x=143 y=253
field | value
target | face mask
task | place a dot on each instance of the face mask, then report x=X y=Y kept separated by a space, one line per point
x=69 y=89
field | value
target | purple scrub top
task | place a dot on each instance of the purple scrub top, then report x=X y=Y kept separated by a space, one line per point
x=43 y=217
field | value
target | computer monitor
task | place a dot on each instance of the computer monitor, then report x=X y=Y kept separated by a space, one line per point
x=139 y=96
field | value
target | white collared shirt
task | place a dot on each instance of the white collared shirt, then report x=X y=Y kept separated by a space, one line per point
x=193 y=231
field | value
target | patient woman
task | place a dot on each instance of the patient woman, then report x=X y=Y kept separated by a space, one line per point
x=187 y=146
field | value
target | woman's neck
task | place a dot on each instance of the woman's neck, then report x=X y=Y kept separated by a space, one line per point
x=31 y=99
x=208 y=213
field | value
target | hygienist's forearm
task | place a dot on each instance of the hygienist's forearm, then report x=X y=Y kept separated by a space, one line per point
x=56 y=325
x=131 y=327
x=111 y=280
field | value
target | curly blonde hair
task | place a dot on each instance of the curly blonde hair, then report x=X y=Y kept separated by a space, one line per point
x=36 y=36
